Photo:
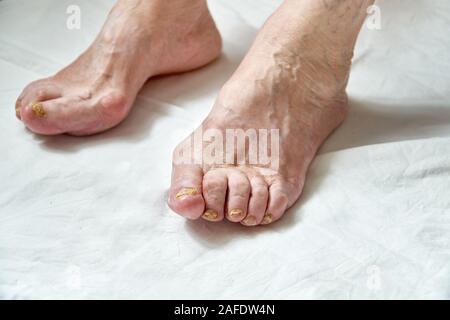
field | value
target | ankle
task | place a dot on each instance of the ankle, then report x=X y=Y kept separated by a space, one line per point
x=317 y=43
x=338 y=21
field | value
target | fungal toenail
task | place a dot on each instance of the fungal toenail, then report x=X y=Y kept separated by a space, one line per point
x=267 y=218
x=235 y=213
x=185 y=192
x=210 y=215
x=18 y=110
x=249 y=221
x=38 y=109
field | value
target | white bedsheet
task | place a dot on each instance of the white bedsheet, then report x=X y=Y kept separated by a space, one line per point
x=87 y=218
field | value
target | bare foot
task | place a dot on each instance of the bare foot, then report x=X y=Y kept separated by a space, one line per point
x=293 y=79
x=140 y=39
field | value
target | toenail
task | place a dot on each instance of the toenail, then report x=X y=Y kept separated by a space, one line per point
x=185 y=192
x=38 y=109
x=267 y=218
x=235 y=213
x=18 y=110
x=249 y=221
x=210 y=215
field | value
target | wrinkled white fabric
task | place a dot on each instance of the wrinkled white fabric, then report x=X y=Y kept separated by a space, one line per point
x=87 y=218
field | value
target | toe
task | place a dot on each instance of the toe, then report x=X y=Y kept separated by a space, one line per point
x=73 y=115
x=238 y=195
x=278 y=202
x=214 y=192
x=56 y=116
x=38 y=91
x=40 y=116
x=257 y=205
x=18 y=107
x=185 y=196
x=42 y=93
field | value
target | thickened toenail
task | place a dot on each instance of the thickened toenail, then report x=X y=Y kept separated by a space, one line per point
x=18 y=110
x=185 y=192
x=210 y=215
x=249 y=221
x=235 y=213
x=38 y=109
x=267 y=218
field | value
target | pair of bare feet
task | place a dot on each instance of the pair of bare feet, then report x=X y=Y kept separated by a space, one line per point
x=293 y=79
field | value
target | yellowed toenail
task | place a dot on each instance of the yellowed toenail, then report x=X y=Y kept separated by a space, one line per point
x=18 y=110
x=249 y=221
x=267 y=218
x=210 y=215
x=38 y=109
x=235 y=213
x=185 y=192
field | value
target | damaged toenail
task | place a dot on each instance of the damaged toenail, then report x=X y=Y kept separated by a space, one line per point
x=38 y=109
x=267 y=218
x=210 y=215
x=249 y=221
x=18 y=110
x=185 y=192
x=235 y=213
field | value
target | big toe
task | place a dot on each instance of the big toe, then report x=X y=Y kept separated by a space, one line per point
x=35 y=92
x=73 y=114
x=185 y=196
